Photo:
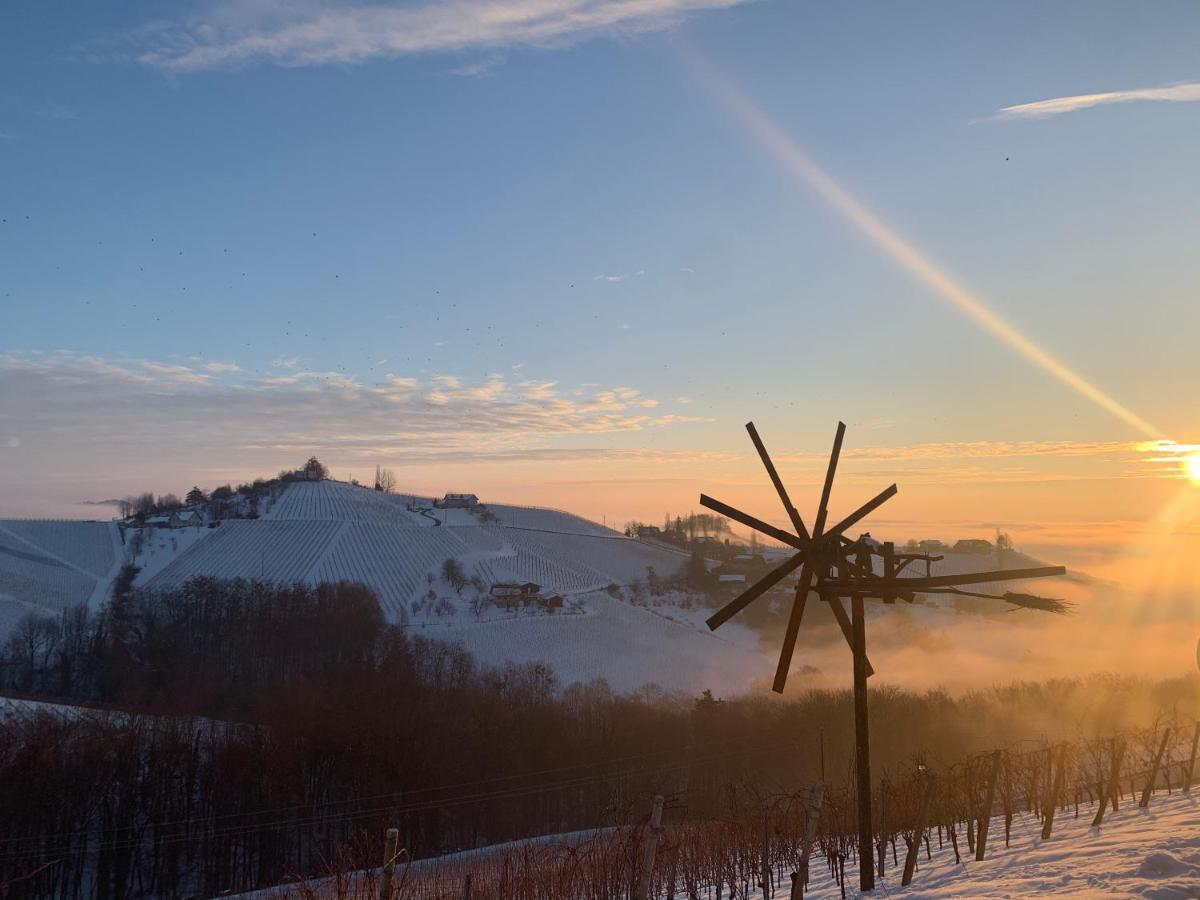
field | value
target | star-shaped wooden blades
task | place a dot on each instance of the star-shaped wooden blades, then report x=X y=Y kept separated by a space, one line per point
x=818 y=552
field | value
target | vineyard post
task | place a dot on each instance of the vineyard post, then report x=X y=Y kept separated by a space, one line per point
x=1052 y=801
x=389 y=863
x=1187 y=784
x=985 y=816
x=642 y=891
x=812 y=815
x=910 y=859
x=882 y=824
x=1112 y=785
x=766 y=854
x=1149 y=789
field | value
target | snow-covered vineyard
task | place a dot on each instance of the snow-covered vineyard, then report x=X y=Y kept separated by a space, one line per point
x=397 y=544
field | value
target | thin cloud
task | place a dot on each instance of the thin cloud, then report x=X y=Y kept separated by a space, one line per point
x=1182 y=92
x=61 y=401
x=282 y=33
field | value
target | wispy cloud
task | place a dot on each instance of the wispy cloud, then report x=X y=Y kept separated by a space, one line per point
x=120 y=408
x=1182 y=92
x=57 y=112
x=288 y=33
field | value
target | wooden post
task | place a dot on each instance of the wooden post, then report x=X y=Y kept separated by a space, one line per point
x=1112 y=784
x=766 y=856
x=1191 y=770
x=862 y=746
x=985 y=816
x=882 y=825
x=1149 y=789
x=642 y=889
x=389 y=863
x=910 y=859
x=467 y=888
x=1052 y=801
x=812 y=815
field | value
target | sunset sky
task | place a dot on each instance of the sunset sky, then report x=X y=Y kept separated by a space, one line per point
x=560 y=251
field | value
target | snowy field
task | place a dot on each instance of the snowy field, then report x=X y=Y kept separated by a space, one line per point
x=1152 y=853
x=48 y=566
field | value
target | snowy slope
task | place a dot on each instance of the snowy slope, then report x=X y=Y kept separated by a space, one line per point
x=1136 y=853
x=47 y=566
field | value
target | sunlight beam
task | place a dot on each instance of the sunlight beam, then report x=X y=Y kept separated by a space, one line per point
x=787 y=153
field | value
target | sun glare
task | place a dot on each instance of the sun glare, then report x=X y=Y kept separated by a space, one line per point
x=1191 y=466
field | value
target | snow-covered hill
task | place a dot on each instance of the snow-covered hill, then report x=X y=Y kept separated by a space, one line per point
x=333 y=531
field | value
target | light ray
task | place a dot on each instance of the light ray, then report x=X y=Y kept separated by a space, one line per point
x=788 y=153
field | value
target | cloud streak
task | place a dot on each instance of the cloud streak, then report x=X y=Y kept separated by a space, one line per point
x=1183 y=92
x=231 y=34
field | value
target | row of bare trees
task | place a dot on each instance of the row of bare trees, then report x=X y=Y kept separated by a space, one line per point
x=264 y=727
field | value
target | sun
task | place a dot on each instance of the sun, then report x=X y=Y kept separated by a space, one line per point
x=1191 y=466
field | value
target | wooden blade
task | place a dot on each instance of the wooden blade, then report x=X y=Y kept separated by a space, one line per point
x=865 y=510
x=750 y=522
x=916 y=585
x=791 y=510
x=793 y=628
x=752 y=593
x=843 y=620
x=823 y=509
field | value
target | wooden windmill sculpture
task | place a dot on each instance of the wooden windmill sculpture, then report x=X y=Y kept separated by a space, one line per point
x=833 y=566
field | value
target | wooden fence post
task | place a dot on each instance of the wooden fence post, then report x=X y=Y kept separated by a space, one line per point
x=910 y=860
x=1149 y=789
x=766 y=856
x=467 y=888
x=812 y=815
x=882 y=824
x=1112 y=784
x=389 y=863
x=985 y=816
x=1187 y=784
x=1055 y=791
x=642 y=889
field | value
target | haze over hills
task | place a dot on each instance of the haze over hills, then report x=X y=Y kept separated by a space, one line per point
x=594 y=616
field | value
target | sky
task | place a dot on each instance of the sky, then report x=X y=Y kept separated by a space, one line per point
x=559 y=251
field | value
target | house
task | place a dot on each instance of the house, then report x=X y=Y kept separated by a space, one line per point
x=162 y=520
x=188 y=518
x=974 y=545
x=457 y=501
x=931 y=546
x=551 y=601
x=509 y=594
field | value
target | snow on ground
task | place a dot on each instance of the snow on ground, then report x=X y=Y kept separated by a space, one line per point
x=48 y=566
x=1152 y=853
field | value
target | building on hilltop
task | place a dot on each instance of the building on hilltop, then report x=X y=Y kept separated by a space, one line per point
x=457 y=501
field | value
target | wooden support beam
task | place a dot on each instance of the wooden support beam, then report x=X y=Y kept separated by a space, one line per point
x=756 y=590
x=985 y=814
x=750 y=521
x=1112 y=784
x=862 y=748
x=910 y=859
x=1149 y=789
x=788 y=507
x=843 y=620
x=880 y=586
x=1051 y=805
